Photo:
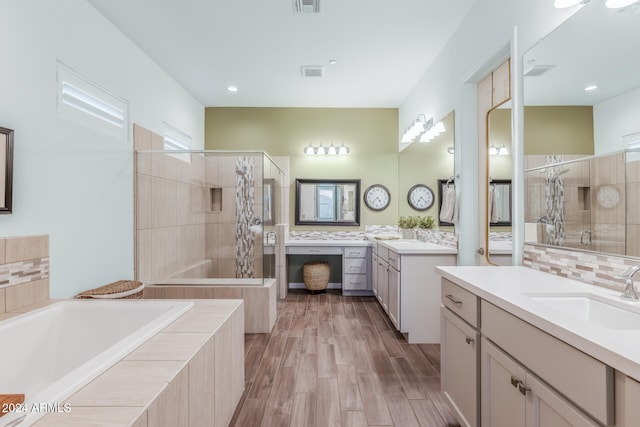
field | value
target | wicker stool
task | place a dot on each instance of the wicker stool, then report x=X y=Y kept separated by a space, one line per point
x=122 y=289
x=316 y=275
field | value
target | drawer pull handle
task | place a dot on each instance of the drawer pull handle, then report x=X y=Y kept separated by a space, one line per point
x=314 y=251
x=514 y=381
x=523 y=389
x=469 y=340
x=453 y=300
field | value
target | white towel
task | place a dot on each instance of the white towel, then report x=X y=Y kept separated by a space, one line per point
x=448 y=209
x=493 y=205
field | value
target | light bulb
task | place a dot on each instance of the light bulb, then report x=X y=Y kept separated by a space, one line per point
x=332 y=150
x=320 y=150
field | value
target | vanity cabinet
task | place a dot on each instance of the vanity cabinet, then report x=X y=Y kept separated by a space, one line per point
x=513 y=397
x=354 y=259
x=355 y=269
x=383 y=278
x=460 y=352
x=393 y=289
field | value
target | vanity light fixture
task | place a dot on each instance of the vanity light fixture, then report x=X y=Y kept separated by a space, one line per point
x=416 y=129
x=432 y=132
x=498 y=151
x=331 y=150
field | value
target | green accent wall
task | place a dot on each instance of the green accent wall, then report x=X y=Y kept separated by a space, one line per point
x=558 y=130
x=370 y=133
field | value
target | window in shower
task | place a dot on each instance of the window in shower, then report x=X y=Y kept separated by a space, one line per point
x=176 y=140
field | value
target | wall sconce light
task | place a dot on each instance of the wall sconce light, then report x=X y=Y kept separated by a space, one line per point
x=498 y=151
x=331 y=150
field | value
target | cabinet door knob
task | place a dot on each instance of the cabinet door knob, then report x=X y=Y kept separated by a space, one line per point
x=523 y=389
x=469 y=340
x=453 y=300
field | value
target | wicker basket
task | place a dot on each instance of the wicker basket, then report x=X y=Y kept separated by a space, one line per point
x=122 y=289
x=316 y=275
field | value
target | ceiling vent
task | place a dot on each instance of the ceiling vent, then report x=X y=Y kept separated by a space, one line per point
x=312 y=71
x=538 y=70
x=306 y=6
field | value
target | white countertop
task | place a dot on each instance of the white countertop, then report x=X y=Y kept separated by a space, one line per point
x=416 y=247
x=510 y=288
x=327 y=242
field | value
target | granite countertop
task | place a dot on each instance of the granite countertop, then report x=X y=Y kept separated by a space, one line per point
x=524 y=292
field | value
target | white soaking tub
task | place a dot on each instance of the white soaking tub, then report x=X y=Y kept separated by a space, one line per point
x=50 y=353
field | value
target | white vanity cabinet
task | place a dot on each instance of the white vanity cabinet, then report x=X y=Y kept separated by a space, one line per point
x=354 y=258
x=514 y=397
x=382 y=278
x=388 y=284
x=355 y=270
x=460 y=352
x=408 y=288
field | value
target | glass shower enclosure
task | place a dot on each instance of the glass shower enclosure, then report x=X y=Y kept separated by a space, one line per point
x=206 y=214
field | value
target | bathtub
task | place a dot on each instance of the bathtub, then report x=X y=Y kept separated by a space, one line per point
x=50 y=353
x=259 y=295
x=206 y=281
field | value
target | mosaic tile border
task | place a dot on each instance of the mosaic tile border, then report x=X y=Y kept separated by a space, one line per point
x=327 y=235
x=17 y=273
x=592 y=268
x=439 y=237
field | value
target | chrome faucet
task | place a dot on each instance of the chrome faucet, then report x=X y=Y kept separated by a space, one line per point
x=630 y=291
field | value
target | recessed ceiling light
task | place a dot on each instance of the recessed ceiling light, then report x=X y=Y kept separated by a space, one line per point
x=333 y=62
x=232 y=88
x=590 y=88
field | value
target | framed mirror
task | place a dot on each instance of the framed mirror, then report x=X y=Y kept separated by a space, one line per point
x=6 y=169
x=327 y=202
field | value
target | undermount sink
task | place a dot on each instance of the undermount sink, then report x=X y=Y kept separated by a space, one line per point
x=594 y=308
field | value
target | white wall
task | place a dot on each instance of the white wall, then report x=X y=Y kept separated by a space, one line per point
x=613 y=119
x=481 y=42
x=71 y=182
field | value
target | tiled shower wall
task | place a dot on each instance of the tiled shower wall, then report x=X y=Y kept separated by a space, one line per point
x=24 y=271
x=182 y=229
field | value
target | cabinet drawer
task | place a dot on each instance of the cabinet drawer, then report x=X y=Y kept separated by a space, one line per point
x=355 y=252
x=314 y=250
x=584 y=380
x=355 y=282
x=383 y=253
x=460 y=301
x=394 y=260
x=355 y=266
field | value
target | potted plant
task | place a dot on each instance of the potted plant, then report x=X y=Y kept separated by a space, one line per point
x=407 y=224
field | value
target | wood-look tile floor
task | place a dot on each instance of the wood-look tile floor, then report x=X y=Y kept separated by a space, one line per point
x=333 y=360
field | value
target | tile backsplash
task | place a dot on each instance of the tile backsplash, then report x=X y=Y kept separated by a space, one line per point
x=589 y=267
x=24 y=271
